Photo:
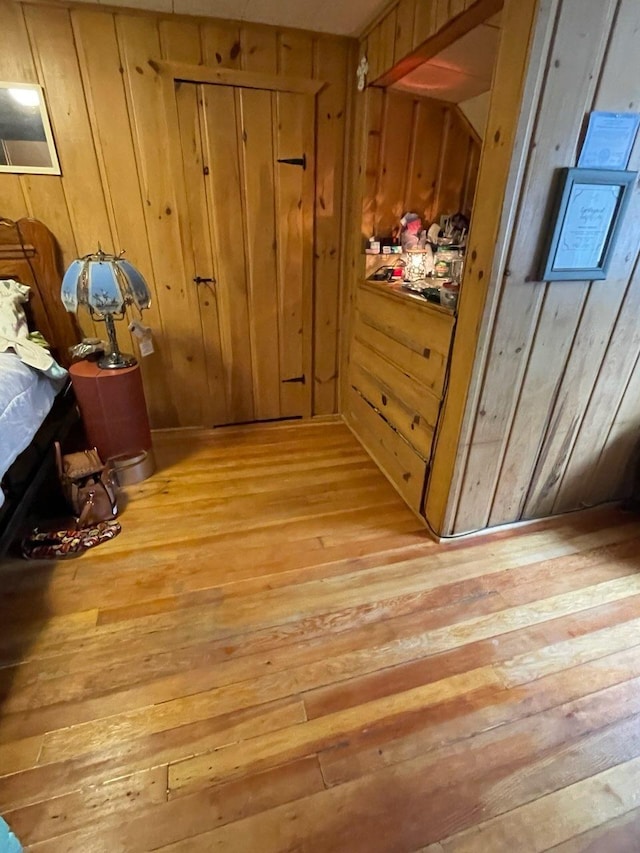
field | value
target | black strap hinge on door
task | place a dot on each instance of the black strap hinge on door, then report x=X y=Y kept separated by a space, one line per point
x=295 y=161
x=300 y=379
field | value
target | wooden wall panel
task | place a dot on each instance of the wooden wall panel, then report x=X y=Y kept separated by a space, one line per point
x=117 y=185
x=557 y=419
x=220 y=44
x=335 y=63
x=424 y=22
x=405 y=19
x=401 y=36
x=566 y=96
x=519 y=75
x=51 y=34
x=99 y=58
x=423 y=157
x=612 y=345
x=396 y=133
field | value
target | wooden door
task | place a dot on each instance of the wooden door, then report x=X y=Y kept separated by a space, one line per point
x=250 y=221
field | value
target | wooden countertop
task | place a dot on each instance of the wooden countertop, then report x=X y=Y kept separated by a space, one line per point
x=394 y=290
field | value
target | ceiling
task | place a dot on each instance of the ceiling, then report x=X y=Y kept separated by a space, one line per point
x=341 y=17
x=461 y=71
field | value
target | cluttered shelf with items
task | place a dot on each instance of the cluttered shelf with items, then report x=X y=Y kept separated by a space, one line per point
x=424 y=264
x=397 y=290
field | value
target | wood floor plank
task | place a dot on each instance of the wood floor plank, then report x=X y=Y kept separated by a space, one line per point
x=556 y=817
x=615 y=620
x=381 y=744
x=150 y=679
x=619 y=835
x=142 y=665
x=118 y=758
x=402 y=808
x=316 y=734
x=91 y=804
x=274 y=655
x=19 y=754
x=595 y=565
x=86 y=734
x=150 y=829
x=318 y=597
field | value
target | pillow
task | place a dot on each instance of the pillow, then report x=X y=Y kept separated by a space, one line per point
x=13 y=321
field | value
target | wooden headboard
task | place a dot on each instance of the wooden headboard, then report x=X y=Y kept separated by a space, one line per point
x=29 y=253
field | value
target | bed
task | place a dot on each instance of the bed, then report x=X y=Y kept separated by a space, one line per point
x=36 y=409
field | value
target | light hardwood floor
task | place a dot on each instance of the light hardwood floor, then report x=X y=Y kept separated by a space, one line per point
x=273 y=656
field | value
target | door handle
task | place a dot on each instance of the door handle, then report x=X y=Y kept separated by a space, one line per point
x=199 y=280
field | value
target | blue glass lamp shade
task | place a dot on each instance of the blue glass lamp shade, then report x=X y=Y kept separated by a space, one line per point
x=138 y=287
x=106 y=284
x=69 y=291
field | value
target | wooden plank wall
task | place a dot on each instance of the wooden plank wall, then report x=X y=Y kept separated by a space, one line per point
x=117 y=186
x=553 y=418
x=426 y=160
x=408 y=32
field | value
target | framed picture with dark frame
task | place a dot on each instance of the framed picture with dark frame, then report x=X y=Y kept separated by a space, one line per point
x=589 y=209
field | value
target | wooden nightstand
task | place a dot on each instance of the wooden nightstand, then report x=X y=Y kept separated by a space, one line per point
x=115 y=417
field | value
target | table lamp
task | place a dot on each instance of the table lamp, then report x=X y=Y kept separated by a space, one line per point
x=105 y=284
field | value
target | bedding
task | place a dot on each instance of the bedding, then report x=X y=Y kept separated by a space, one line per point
x=14 y=330
x=26 y=397
x=29 y=377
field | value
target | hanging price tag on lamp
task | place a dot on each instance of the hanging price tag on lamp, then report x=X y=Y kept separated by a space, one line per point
x=144 y=337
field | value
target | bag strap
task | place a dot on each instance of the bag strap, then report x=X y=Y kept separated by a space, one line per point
x=86 y=509
x=106 y=481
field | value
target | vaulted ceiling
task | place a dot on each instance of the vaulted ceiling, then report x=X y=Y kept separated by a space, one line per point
x=341 y=17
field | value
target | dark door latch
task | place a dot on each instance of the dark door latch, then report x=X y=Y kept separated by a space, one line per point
x=199 y=280
x=300 y=379
x=295 y=161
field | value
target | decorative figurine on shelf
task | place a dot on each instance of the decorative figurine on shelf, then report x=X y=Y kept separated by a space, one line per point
x=418 y=256
x=410 y=230
x=459 y=227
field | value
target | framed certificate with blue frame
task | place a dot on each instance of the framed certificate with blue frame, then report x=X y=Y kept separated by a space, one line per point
x=589 y=209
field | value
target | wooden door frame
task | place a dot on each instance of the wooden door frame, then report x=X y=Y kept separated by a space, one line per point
x=187 y=73
x=171 y=72
x=517 y=78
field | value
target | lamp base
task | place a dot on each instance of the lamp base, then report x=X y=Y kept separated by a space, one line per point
x=116 y=360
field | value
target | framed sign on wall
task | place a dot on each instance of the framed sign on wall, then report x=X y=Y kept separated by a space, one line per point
x=588 y=212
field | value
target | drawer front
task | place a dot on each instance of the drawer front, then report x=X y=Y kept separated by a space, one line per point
x=397 y=459
x=418 y=327
x=428 y=366
x=410 y=408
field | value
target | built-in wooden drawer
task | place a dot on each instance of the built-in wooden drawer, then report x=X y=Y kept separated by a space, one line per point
x=406 y=404
x=397 y=459
x=415 y=335
x=398 y=361
x=397 y=368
